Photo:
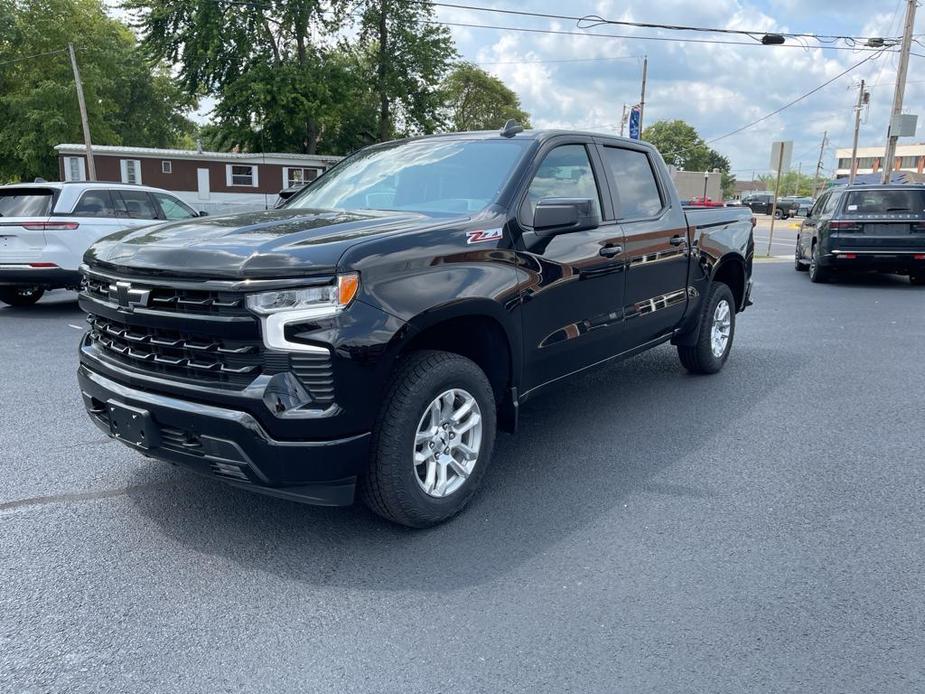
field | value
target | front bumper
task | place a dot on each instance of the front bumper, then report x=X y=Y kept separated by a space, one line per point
x=230 y=445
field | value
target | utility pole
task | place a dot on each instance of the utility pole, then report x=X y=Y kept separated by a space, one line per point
x=623 y=120
x=780 y=166
x=642 y=98
x=825 y=136
x=796 y=184
x=899 y=91
x=91 y=166
x=857 y=130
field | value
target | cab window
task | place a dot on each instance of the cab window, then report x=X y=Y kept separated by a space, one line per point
x=565 y=173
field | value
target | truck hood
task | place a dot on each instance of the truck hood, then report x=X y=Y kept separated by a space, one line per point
x=275 y=243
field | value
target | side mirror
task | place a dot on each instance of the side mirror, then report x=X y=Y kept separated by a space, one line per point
x=555 y=216
x=203 y=213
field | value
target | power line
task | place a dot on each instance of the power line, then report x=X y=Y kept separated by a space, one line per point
x=558 y=60
x=642 y=38
x=36 y=55
x=795 y=101
x=596 y=20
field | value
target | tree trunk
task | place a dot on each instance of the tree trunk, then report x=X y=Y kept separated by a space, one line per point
x=385 y=125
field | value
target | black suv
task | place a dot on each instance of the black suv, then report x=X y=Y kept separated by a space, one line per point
x=863 y=228
x=377 y=329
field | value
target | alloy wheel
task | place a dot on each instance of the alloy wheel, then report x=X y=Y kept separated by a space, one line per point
x=447 y=443
x=721 y=328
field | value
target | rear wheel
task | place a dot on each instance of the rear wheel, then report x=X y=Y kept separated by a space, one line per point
x=432 y=441
x=798 y=259
x=20 y=296
x=817 y=273
x=717 y=328
x=778 y=214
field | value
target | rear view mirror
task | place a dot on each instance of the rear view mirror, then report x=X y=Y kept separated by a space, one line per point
x=203 y=213
x=564 y=215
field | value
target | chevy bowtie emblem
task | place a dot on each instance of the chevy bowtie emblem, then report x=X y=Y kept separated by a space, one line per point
x=127 y=296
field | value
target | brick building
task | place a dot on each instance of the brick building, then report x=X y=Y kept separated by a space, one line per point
x=216 y=182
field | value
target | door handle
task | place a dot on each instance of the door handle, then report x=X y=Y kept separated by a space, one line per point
x=678 y=240
x=611 y=251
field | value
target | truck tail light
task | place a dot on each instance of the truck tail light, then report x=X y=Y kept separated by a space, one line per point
x=919 y=256
x=50 y=226
x=42 y=265
x=848 y=256
x=844 y=226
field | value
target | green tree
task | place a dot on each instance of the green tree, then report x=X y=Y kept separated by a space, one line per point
x=411 y=54
x=476 y=100
x=286 y=77
x=682 y=146
x=128 y=101
x=791 y=183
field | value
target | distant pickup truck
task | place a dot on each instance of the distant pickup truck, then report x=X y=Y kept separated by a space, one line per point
x=374 y=332
x=764 y=204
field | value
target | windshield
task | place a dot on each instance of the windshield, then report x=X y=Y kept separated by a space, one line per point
x=19 y=202
x=421 y=176
x=885 y=201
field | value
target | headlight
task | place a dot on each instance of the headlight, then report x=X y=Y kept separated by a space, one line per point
x=331 y=296
x=281 y=308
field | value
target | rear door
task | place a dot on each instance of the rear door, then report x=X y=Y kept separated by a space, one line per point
x=24 y=213
x=656 y=244
x=136 y=207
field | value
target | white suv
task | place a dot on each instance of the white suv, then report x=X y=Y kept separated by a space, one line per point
x=45 y=228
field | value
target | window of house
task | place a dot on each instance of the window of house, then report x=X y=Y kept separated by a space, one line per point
x=131 y=171
x=136 y=204
x=95 y=203
x=565 y=173
x=909 y=162
x=241 y=175
x=634 y=183
x=166 y=167
x=173 y=208
x=844 y=163
x=74 y=169
x=298 y=176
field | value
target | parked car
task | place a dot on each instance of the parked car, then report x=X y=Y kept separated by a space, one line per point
x=802 y=206
x=764 y=204
x=374 y=332
x=865 y=227
x=45 y=228
x=700 y=201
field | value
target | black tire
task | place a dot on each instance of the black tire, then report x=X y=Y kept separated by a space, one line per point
x=21 y=296
x=390 y=486
x=817 y=273
x=778 y=214
x=798 y=264
x=699 y=358
x=917 y=280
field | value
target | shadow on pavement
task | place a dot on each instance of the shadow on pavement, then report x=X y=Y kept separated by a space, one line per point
x=871 y=279
x=52 y=305
x=582 y=449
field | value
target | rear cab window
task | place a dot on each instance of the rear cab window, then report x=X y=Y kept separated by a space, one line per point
x=636 y=190
x=26 y=202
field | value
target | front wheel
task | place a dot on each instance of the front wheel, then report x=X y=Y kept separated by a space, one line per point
x=21 y=296
x=778 y=214
x=717 y=328
x=432 y=441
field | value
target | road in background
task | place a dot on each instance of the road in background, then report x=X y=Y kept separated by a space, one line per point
x=645 y=531
x=785 y=235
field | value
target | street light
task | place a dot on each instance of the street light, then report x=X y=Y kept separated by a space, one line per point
x=706 y=179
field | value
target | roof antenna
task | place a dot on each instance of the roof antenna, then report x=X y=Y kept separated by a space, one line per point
x=511 y=128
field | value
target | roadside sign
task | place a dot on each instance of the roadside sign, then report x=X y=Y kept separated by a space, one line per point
x=634 y=123
x=781 y=153
x=903 y=125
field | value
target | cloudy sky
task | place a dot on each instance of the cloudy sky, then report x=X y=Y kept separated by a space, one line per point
x=716 y=88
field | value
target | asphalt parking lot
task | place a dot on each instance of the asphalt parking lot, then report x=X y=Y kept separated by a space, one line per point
x=646 y=530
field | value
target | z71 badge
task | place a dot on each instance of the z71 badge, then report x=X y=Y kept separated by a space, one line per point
x=484 y=235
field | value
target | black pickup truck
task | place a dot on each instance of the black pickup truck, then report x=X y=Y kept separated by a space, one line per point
x=372 y=334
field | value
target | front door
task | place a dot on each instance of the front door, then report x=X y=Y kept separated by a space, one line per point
x=202 y=184
x=571 y=284
x=656 y=245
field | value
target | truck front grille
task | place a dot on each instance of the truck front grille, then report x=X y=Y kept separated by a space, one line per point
x=177 y=354
x=169 y=299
